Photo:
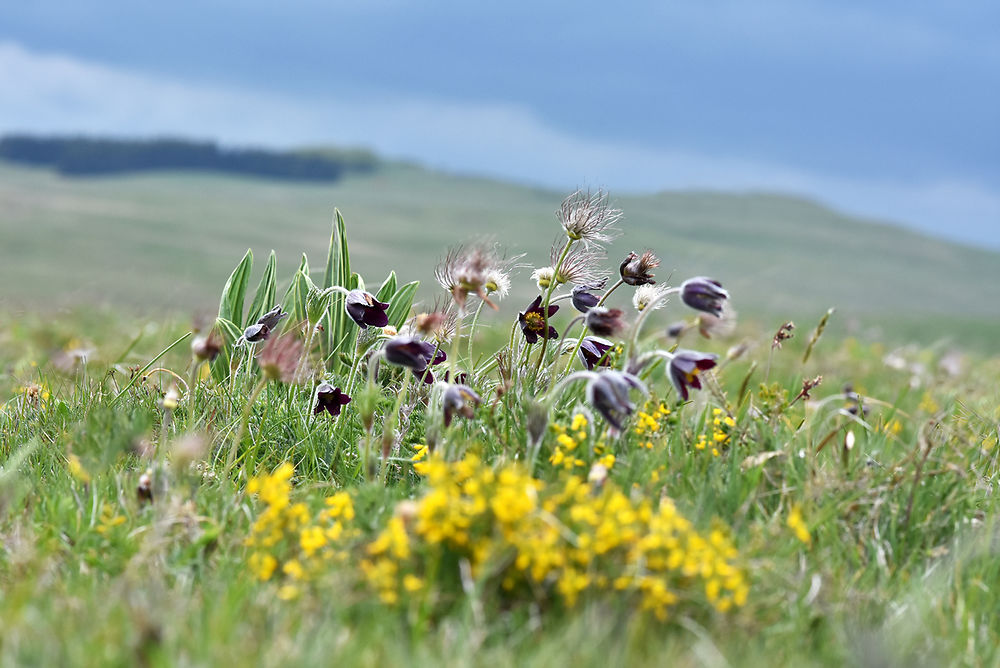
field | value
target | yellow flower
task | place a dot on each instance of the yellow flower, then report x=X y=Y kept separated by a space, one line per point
x=76 y=469
x=796 y=524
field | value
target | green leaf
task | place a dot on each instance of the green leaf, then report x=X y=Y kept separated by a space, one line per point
x=222 y=364
x=231 y=304
x=263 y=300
x=400 y=304
x=388 y=288
x=338 y=272
x=296 y=297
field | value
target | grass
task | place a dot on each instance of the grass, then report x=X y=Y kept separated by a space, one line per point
x=862 y=526
x=154 y=241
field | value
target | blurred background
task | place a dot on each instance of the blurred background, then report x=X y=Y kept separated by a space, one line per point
x=807 y=154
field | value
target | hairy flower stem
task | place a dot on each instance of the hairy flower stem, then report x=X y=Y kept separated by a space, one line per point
x=305 y=351
x=545 y=309
x=583 y=334
x=634 y=339
x=389 y=427
x=472 y=332
x=453 y=360
x=244 y=419
x=192 y=386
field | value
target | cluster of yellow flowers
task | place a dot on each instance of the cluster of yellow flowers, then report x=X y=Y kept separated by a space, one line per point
x=649 y=423
x=549 y=541
x=722 y=429
x=289 y=537
x=571 y=451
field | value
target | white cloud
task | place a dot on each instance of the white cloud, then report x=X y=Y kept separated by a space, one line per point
x=53 y=93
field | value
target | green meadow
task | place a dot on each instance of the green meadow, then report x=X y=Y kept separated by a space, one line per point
x=816 y=495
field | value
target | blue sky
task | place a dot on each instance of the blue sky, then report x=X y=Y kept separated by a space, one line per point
x=886 y=109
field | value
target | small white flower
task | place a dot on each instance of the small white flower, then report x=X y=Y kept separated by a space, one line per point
x=646 y=295
x=543 y=277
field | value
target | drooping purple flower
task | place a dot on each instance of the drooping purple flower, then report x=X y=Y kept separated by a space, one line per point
x=330 y=399
x=533 y=321
x=636 y=269
x=365 y=310
x=608 y=392
x=593 y=352
x=415 y=355
x=704 y=294
x=262 y=329
x=684 y=368
x=583 y=299
x=460 y=399
x=604 y=321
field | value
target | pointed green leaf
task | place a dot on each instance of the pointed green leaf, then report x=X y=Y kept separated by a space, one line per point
x=222 y=364
x=263 y=300
x=388 y=288
x=231 y=304
x=400 y=304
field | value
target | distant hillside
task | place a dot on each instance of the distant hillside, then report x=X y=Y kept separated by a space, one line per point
x=83 y=156
x=169 y=239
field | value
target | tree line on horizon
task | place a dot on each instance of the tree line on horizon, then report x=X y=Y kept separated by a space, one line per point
x=84 y=156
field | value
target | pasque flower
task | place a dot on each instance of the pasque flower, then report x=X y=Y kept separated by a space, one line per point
x=704 y=294
x=533 y=321
x=593 y=352
x=330 y=399
x=635 y=269
x=589 y=217
x=461 y=400
x=604 y=321
x=684 y=368
x=608 y=392
x=583 y=299
x=262 y=329
x=365 y=310
x=415 y=355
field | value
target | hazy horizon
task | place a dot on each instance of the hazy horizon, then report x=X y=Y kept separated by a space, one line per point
x=881 y=110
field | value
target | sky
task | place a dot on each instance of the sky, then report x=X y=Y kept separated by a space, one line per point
x=883 y=109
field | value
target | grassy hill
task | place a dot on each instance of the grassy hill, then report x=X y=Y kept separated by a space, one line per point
x=168 y=241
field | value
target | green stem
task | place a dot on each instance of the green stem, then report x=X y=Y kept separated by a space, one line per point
x=579 y=340
x=472 y=332
x=244 y=419
x=545 y=309
x=634 y=339
x=389 y=427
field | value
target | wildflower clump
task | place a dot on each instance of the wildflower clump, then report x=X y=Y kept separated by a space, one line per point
x=649 y=423
x=548 y=543
x=289 y=540
x=723 y=426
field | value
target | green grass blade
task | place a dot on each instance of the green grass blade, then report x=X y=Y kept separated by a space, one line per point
x=149 y=366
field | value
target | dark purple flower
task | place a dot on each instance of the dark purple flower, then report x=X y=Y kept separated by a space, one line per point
x=685 y=367
x=704 y=294
x=583 y=300
x=604 y=321
x=593 y=352
x=330 y=399
x=262 y=329
x=365 y=310
x=533 y=321
x=608 y=394
x=635 y=269
x=460 y=399
x=415 y=355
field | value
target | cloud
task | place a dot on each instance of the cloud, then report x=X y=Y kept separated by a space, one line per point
x=56 y=93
